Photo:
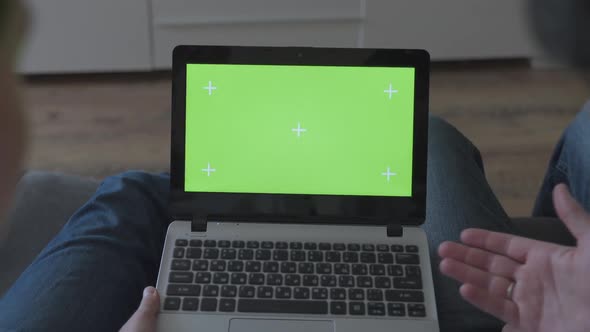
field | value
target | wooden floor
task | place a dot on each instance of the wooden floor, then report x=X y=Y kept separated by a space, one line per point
x=100 y=125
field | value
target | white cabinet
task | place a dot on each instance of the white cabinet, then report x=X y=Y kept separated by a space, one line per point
x=87 y=36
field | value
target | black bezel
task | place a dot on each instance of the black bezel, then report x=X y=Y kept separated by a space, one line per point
x=300 y=208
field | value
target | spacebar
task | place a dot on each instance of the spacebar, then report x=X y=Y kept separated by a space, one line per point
x=283 y=306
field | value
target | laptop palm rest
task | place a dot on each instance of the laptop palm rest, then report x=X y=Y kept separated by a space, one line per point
x=280 y=325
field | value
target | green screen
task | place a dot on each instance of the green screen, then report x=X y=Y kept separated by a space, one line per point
x=320 y=130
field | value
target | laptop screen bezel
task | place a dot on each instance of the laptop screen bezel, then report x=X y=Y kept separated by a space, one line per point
x=373 y=210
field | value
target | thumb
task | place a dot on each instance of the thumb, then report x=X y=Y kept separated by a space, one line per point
x=145 y=317
x=570 y=211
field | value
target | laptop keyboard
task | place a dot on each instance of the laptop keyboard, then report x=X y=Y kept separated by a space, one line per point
x=295 y=278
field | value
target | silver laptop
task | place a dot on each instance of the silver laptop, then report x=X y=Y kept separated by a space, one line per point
x=298 y=185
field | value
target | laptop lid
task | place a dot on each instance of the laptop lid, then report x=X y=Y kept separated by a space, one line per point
x=299 y=134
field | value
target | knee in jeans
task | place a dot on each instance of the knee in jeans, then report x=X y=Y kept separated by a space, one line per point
x=443 y=136
x=577 y=135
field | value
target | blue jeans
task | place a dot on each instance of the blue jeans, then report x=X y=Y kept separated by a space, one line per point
x=91 y=275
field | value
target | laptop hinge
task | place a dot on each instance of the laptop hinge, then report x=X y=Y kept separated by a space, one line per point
x=198 y=224
x=395 y=230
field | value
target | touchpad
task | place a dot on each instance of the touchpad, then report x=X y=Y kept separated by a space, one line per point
x=280 y=325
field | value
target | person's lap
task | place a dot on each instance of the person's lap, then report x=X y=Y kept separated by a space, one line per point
x=90 y=277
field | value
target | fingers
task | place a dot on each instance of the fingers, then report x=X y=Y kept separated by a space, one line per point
x=145 y=317
x=496 y=306
x=481 y=259
x=570 y=211
x=514 y=247
x=466 y=274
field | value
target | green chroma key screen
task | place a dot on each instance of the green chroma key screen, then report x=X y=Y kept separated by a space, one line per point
x=317 y=130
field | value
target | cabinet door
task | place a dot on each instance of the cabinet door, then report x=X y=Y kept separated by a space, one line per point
x=87 y=36
x=255 y=22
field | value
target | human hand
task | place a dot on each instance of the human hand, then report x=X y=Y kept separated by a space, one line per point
x=530 y=285
x=145 y=318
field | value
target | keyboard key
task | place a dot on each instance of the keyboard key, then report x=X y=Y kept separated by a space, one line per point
x=209 y=304
x=181 y=243
x=305 y=268
x=339 y=247
x=359 y=269
x=296 y=245
x=354 y=247
x=356 y=294
x=325 y=246
x=292 y=280
x=416 y=310
x=396 y=309
x=235 y=266
x=247 y=291
x=383 y=247
x=238 y=278
x=338 y=294
x=218 y=266
x=203 y=278
x=210 y=243
x=256 y=279
x=374 y=295
x=365 y=282
x=238 y=244
x=368 y=247
x=377 y=269
x=263 y=254
x=274 y=279
x=346 y=281
x=270 y=267
x=283 y=292
x=211 y=253
x=301 y=293
x=253 y=266
x=412 y=249
x=283 y=306
x=178 y=253
x=245 y=254
x=228 y=254
x=229 y=291
x=200 y=265
x=338 y=308
x=315 y=256
x=333 y=256
x=341 y=269
x=227 y=305
x=211 y=291
x=288 y=267
x=282 y=245
x=413 y=271
x=397 y=248
x=264 y=292
x=194 y=253
x=181 y=277
x=323 y=268
x=280 y=255
x=404 y=296
x=319 y=293
x=395 y=270
x=376 y=309
x=356 y=308
x=183 y=290
x=172 y=303
x=385 y=258
x=310 y=246
x=382 y=282
x=367 y=257
x=310 y=280
x=252 y=244
x=328 y=281
x=407 y=259
x=223 y=244
x=350 y=257
x=407 y=283
x=221 y=278
x=180 y=265
x=196 y=243
x=297 y=255
x=190 y=304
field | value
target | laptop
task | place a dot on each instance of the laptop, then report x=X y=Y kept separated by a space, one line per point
x=298 y=185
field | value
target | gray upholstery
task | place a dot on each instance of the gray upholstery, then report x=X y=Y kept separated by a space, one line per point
x=45 y=201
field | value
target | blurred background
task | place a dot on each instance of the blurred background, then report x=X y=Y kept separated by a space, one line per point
x=98 y=83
